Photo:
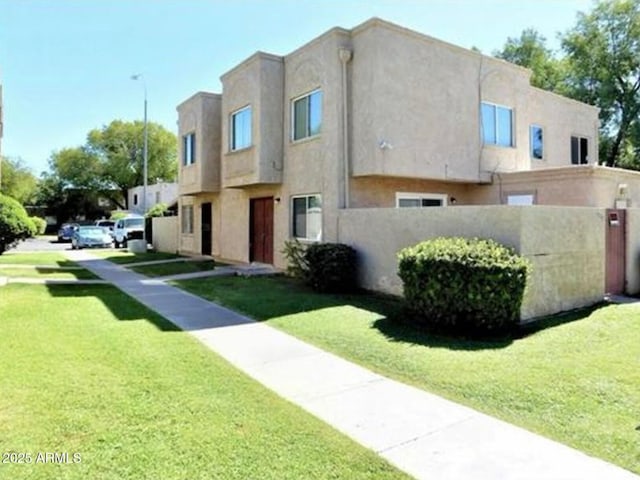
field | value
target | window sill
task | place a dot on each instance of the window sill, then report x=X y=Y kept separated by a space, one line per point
x=306 y=241
x=305 y=139
x=188 y=165
x=239 y=150
x=500 y=147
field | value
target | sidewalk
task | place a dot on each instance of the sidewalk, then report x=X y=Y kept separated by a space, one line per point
x=420 y=433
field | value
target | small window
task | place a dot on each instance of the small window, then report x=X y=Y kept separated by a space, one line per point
x=497 y=125
x=535 y=139
x=240 y=129
x=187 y=219
x=189 y=149
x=420 y=200
x=579 y=151
x=307 y=115
x=521 y=199
x=135 y=199
x=157 y=197
x=307 y=217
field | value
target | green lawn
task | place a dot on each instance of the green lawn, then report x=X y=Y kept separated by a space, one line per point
x=577 y=381
x=88 y=371
x=43 y=272
x=124 y=257
x=175 y=268
x=42 y=258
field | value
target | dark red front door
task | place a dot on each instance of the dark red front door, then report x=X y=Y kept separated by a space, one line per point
x=261 y=230
x=615 y=251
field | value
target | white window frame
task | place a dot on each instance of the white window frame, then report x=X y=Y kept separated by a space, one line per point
x=443 y=197
x=306 y=238
x=579 y=138
x=533 y=157
x=521 y=199
x=293 y=116
x=232 y=131
x=189 y=149
x=496 y=106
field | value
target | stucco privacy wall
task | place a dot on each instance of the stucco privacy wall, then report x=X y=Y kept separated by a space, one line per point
x=632 y=266
x=165 y=234
x=565 y=245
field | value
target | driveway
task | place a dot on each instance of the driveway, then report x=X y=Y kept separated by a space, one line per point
x=45 y=243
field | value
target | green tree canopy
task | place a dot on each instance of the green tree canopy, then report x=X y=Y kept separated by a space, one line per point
x=120 y=145
x=603 y=69
x=17 y=181
x=530 y=51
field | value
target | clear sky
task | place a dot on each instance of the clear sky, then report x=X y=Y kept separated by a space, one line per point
x=65 y=65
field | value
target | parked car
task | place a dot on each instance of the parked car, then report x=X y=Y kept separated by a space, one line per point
x=65 y=234
x=128 y=228
x=107 y=225
x=91 y=236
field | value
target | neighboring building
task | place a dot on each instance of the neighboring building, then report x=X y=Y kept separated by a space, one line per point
x=377 y=116
x=161 y=192
x=1 y=129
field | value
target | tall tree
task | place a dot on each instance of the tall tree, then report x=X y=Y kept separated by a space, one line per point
x=18 y=181
x=603 y=68
x=120 y=145
x=530 y=51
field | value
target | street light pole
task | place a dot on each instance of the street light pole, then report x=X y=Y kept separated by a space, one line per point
x=145 y=151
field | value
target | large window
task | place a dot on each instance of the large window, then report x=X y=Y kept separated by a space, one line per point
x=187 y=219
x=307 y=115
x=408 y=200
x=579 y=151
x=189 y=149
x=240 y=129
x=307 y=217
x=535 y=139
x=497 y=125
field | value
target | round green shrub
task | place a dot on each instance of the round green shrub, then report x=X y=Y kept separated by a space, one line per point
x=40 y=225
x=463 y=285
x=331 y=267
x=15 y=224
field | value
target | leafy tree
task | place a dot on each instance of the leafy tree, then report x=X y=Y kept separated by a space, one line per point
x=530 y=51
x=15 y=224
x=158 y=210
x=603 y=68
x=120 y=145
x=17 y=181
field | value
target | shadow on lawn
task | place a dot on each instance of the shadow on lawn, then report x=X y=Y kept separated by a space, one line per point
x=400 y=330
x=121 y=306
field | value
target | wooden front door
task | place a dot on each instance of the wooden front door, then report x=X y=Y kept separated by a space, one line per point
x=261 y=230
x=615 y=246
x=206 y=229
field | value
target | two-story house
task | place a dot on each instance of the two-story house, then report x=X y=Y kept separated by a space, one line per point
x=376 y=116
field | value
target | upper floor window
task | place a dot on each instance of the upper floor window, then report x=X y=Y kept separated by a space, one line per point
x=135 y=199
x=579 y=150
x=307 y=115
x=408 y=200
x=240 y=129
x=189 y=149
x=497 y=125
x=307 y=217
x=535 y=139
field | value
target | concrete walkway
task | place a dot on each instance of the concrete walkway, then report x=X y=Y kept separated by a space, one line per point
x=420 y=433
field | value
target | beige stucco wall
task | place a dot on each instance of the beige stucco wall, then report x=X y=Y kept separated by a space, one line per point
x=165 y=234
x=565 y=245
x=633 y=251
x=200 y=114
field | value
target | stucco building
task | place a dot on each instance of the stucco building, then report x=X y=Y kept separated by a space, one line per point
x=373 y=117
x=161 y=192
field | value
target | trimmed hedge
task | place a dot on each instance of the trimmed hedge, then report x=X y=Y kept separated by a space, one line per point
x=40 y=225
x=463 y=285
x=326 y=267
x=15 y=224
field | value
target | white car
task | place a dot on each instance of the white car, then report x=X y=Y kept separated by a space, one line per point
x=125 y=227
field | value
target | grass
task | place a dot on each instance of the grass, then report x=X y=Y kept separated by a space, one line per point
x=576 y=381
x=87 y=370
x=41 y=258
x=43 y=272
x=175 y=268
x=123 y=257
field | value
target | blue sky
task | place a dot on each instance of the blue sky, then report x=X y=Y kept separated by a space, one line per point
x=65 y=65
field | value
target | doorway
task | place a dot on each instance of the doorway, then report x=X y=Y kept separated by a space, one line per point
x=205 y=229
x=615 y=246
x=261 y=230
